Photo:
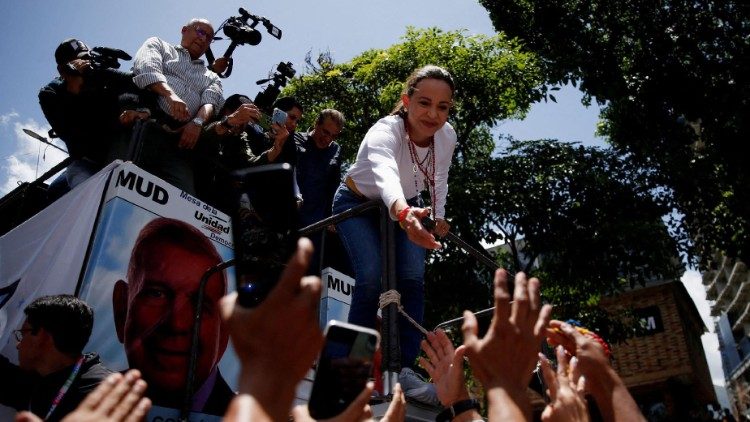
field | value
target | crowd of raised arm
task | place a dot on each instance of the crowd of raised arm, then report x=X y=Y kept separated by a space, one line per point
x=275 y=350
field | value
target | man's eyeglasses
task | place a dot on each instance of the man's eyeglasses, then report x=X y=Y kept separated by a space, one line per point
x=203 y=33
x=20 y=333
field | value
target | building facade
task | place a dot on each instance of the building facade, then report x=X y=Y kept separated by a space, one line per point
x=728 y=286
x=664 y=366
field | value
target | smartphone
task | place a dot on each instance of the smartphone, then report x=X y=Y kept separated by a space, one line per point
x=278 y=117
x=264 y=224
x=344 y=367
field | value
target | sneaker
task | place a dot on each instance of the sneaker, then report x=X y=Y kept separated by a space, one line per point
x=417 y=388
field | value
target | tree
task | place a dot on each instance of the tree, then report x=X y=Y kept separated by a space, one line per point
x=674 y=78
x=543 y=194
x=495 y=81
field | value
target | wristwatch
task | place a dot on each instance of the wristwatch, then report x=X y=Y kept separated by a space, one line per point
x=457 y=408
x=198 y=121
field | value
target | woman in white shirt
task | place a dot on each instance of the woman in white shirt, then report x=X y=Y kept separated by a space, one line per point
x=401 y=155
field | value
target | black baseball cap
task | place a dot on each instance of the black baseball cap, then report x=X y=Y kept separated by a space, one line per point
x=70 y=49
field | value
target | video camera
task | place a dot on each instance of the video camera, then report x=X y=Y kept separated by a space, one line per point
x=101 y=58
x=103 y=70
x=107 y=58
x=265 y=98
x=241 y=30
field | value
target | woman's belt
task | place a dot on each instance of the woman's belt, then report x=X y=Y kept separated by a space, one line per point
x=352 y=186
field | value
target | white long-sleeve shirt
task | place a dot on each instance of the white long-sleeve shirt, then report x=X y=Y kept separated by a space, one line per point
x=384 y=168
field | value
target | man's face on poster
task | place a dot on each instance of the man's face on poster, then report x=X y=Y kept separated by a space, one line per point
x=155 y=323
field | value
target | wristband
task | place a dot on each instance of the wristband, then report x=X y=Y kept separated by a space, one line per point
x=402 y=214
x=456 y=409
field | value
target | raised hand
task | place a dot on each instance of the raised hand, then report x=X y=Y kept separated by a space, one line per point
x=277 y=341
x=444 y=363
x=117 y=399
x=566 y=389
x=503 y=360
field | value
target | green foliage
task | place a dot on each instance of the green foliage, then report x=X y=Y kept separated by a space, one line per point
x=587 y=212
x=674 y=78
x=495 y=81
x=584 y=220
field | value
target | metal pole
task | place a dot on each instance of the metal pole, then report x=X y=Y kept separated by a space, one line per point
x=59 y=166
x=390 y=330
x=351 y=212
x=478 y=314
x=429 y=224
x=188 y=399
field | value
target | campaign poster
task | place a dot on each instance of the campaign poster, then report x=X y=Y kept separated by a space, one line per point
x=151 y=248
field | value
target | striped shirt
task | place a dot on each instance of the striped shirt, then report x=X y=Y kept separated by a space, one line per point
x=159 y=61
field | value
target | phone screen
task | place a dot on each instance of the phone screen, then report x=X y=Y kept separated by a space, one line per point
x=344 y=367
x=264 y=223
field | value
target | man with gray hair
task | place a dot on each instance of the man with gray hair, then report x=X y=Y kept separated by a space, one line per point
x=188 y=95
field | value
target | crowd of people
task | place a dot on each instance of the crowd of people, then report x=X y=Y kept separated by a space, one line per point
x=403 y=161
x=194 y=136
x=272 y=365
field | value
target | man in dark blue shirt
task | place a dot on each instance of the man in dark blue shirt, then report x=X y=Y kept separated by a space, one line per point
x=318 y=172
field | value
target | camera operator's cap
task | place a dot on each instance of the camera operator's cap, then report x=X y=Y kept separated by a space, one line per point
x=70 y=49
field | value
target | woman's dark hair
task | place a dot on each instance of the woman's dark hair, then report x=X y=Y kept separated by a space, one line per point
x=66 y=318
x=233 y=102
x=426 y=72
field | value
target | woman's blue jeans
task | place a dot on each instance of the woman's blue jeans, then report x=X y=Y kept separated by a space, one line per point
x=361 y=238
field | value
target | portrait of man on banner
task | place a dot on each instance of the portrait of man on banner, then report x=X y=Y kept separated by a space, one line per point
x=143 y=279
x=154 y=309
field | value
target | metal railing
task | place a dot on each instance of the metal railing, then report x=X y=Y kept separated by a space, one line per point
x=389 y=328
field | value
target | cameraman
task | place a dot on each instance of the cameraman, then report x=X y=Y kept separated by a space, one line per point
x=83 y=109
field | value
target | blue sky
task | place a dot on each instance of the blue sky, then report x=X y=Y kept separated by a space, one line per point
x=347 y=28
x=34 y=28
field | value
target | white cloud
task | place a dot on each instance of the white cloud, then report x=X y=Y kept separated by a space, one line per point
x=8 y=117
x=119 y=246
x=29 y=158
